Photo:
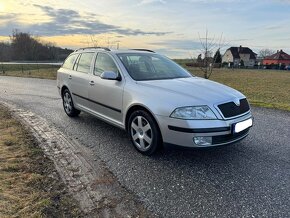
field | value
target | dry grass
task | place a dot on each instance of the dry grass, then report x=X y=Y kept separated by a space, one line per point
x=264 y=88
x=29 y=187
x=44 y=73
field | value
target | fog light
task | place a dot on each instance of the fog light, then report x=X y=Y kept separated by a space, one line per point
x=202 y=140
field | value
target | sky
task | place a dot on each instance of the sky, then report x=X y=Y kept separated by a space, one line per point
x=170 y=27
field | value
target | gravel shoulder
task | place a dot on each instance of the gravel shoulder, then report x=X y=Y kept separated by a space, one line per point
x=95 y=188
x=30 y=186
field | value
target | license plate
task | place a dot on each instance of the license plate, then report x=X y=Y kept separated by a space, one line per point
x=239 y=127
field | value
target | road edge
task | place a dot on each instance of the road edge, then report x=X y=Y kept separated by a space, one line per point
x=87 y=178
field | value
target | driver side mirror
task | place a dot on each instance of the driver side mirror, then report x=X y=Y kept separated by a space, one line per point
x=110 y=75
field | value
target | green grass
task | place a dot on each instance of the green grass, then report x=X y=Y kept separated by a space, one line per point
x=29 y=184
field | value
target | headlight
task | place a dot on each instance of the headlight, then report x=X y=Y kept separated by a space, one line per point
x=193 y=113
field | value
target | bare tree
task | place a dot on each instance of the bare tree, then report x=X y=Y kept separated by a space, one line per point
x=266 y=52
x=95 y=41
x=108 y=42
x=210 y=45
x=26 y=47
x=5 y=51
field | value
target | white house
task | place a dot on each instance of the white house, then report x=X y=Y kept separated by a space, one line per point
x=237 y=54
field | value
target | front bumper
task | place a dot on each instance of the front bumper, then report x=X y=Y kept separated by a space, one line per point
x=184 y=132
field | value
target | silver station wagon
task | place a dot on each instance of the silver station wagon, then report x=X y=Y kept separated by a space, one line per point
x=151 y=97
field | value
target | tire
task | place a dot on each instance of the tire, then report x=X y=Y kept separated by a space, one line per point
x=68 y=104
x=144 y=132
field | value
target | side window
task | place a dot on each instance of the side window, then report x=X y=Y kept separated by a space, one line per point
x=104 y=63
x=84 y=62
x=69 y=62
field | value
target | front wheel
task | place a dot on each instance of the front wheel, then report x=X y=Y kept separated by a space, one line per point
x=68 y=104
x=144 y=132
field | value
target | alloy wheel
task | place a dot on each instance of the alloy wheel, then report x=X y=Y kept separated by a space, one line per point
x=67 y=102
x=141 y=132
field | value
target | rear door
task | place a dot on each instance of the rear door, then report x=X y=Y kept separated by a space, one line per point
x=80 y=79
x=106 y=95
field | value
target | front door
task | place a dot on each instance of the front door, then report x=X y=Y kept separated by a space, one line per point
x=106 y=96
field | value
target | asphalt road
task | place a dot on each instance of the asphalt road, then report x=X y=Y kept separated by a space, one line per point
x=250 y=178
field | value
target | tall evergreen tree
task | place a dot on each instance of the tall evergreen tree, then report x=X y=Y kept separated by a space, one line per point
x=218 y=57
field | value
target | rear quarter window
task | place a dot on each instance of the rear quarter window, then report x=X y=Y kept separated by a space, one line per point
x=69 y=62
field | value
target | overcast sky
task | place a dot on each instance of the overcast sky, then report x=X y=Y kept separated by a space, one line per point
x=170 y=27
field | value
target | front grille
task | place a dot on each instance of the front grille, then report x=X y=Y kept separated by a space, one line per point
x=220 y=139
x=230 y=109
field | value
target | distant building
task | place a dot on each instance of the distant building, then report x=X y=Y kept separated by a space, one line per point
x=237 y=55
x=279 y=58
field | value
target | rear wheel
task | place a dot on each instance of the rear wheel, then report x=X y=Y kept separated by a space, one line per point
x=144 y=132
x=68 y=104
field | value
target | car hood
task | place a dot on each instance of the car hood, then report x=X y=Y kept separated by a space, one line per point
x=194 y=90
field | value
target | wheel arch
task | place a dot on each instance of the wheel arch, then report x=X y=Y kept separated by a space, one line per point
x=144 y=108
x=64 y=87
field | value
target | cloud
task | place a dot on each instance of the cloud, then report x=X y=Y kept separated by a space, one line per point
x=178 y=44
x=274 y=27
x=7 y=16
x=214 y=1
x=145 y=2
x=70 y=22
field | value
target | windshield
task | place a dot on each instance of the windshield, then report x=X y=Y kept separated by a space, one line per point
x=151 y=67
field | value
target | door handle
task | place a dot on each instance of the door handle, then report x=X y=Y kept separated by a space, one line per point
x=92 y=83
x=70 y=77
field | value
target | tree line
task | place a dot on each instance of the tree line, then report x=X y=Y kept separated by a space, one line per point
x=25 y=47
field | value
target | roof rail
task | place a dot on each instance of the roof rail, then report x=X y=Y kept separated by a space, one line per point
x=104 y=48
x=141 y=49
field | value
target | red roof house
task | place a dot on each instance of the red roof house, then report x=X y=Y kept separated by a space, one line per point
x=278 y=58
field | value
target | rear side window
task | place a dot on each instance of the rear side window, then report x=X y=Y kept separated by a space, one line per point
x=84 y=63
x=69 y=62
x=104 y=63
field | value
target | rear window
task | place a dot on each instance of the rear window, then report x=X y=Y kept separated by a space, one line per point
x=69 y=62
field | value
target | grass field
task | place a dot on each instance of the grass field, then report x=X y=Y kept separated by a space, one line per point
x=29 y=187
x=42 y=71
x=264 y=88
